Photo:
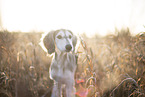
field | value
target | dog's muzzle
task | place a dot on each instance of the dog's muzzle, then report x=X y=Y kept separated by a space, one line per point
x=68 y=47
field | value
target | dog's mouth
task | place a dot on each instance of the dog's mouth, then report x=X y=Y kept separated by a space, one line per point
x=67 y=50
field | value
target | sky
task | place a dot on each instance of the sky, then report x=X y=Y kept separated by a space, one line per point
x=90 y=16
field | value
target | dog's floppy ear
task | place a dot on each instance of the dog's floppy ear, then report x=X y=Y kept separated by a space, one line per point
x=49 y=42
x=74 y=39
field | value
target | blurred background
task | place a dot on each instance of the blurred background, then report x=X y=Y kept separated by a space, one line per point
x=81 y=16
x=109 y=66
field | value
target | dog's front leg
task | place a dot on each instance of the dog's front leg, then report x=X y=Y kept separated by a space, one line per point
x=57 y=90
x=70 y=90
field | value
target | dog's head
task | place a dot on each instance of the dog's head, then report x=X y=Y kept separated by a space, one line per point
x=63 y=39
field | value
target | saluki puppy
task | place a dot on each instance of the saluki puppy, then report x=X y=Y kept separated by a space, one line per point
x=63 y=66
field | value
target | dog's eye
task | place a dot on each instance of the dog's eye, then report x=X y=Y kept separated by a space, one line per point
x=70 y=36
x=59 y=36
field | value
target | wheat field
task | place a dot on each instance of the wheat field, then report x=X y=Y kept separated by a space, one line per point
x=109 y=66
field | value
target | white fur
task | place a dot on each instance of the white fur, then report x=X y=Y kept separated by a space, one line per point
x=65 y=40
x=63 y=65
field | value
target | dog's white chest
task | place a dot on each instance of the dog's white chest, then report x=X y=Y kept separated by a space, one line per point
x=63 y=69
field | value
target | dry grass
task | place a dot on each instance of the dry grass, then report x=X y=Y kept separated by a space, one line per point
x=110 y=66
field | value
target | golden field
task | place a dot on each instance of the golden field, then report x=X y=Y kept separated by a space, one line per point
x=110 y=66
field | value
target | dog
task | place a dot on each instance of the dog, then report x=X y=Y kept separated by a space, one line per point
x=62 y=44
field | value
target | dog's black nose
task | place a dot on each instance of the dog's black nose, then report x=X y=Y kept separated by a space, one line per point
x=68 y=47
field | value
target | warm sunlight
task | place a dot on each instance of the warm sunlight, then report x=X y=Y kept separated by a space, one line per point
x=89 y=16
x=103 y=56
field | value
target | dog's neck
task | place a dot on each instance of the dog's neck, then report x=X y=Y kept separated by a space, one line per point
x=69 y=57
x=59 y=53
x=65 y=56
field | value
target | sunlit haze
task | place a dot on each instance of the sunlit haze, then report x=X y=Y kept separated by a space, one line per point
x=89 y=16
